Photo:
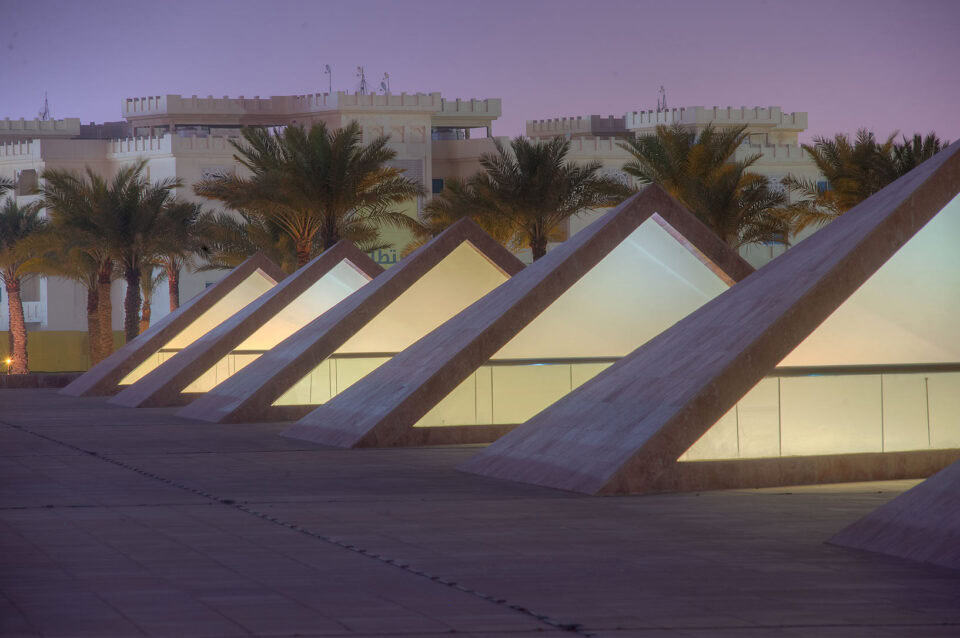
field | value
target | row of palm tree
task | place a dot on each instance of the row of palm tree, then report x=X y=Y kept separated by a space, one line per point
x=95 y=231
x=315 y=187
x=525 y=194
x=854 y=170
x=17 y=225
x=309 y=188
x=699 y=169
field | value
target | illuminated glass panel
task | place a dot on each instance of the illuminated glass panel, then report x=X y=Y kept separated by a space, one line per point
x=335 y=285
x=244 y=293
x=903 y=318
x=644 y=285
x=462 y=277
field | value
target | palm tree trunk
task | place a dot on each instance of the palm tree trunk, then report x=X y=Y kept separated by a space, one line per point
x=131 y=304
x=18 y=328
x=173 y=283
x=145 y=315
x=93 y=325
x=538 y=246
x=105 y=308
x=303 y=252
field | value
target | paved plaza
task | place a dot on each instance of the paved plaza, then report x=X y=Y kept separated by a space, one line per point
x=130 y=522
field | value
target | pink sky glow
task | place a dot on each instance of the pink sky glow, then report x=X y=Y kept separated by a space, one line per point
x=881 y=64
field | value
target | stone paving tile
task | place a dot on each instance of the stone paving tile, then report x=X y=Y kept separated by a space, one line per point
x=157 y=569
x=78 y=480
x=120 y=553
x=135 y=439
x=14 y=443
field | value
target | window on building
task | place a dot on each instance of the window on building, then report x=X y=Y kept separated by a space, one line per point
x=26 y=181
x=30 y=289
x=823 y=186
x=437 y=185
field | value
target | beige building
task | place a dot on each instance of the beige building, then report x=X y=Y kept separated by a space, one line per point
x=773 y=134
x=188 y=138
x=435 y=139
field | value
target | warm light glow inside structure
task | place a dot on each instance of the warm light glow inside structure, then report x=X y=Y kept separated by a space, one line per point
x=838 y=361
x=366 y=328
x=881 y=374
x=245 y=292
x=340 y=282
x=565 y=318
x=645 y=284
x=254 y=329
x=462 y=277
x=180 y=328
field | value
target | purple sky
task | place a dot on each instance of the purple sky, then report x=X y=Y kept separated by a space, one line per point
x=882 y=64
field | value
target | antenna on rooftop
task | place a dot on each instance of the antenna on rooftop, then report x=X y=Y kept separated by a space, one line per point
x=362 y=88
x=44 y=113
x=661 y=99
x=329 y=73
x=385 y=83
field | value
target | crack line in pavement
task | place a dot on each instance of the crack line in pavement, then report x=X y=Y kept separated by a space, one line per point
x=575 y=628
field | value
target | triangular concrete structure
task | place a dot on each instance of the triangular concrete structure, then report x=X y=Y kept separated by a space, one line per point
x=179 y=329
x=422 y=291
x=593 y=299
x=275 y=315
x=922 y=524
x=625 y=429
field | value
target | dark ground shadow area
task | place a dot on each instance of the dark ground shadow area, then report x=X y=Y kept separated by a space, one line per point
x=130 y=522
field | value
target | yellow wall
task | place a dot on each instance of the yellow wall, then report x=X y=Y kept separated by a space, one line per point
x=57 y=350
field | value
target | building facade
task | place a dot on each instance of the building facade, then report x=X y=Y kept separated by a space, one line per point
x=434 y=138
x=772 y=134
x=189 y=138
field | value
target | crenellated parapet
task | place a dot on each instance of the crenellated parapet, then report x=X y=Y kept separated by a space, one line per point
x=597 y=146
x=774 y=153
x=24 y=149
x=283 y=109
x=766 y=117
x=177 y=104
x=167 y=145
x=29 y=129
x=590 y=125
x=558 y=126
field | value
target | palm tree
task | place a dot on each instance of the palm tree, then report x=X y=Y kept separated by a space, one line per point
x=18 y=225
x=229 y=238
x=6 y=184
x=69 y=197
x=457 y=200
x=317 y=186
x=124 y=219
x=912 y=152
x=854 y=170
x=700 y=171
x=132 y=231
x=175 y=241
x=149 y=282
x=525 y=193
x=62 y=258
